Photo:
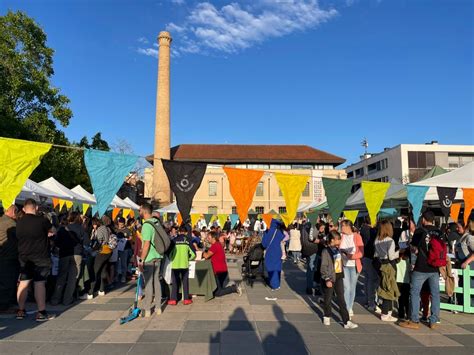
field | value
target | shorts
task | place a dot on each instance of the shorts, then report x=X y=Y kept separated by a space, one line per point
x=29 y=270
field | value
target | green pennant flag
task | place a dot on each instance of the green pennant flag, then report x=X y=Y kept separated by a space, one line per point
x=208 y=217
x=312 y=217
x=337 y=192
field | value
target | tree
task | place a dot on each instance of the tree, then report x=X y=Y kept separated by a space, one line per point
x=30 y=106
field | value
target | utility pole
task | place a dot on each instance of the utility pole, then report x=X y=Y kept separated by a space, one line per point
x=365 y=144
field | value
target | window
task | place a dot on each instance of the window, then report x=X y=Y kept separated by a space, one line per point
x=259 y=191
x=350 y=174
x=234 y=209
x=458 y=160
x=280 y=167
x=212 y=210
x=378 y=166
x=302 y=166
x=212 y=188
x=359 y=172
x=259 y=209
x=281 y=209
x=306 y=190
x=421 y=160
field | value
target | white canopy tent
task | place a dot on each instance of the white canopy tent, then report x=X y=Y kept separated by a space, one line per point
x=116 y=202
x=34 y=190
x=460 y=178
x=357 y=198
x=171 y=208
x=132 y=204
x=58 y=188
x=310 y=206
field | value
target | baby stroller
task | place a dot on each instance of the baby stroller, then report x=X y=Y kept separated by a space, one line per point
x=253 y=264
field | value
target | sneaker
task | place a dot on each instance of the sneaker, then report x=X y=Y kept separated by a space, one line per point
x=43 y=316
x=187 y=302
x=433 y=325
x=350 y=325
x=409 y=325
x=86 y=296
x=375 y=309
x=388 y=318
x=123 y=279
x=239 y=289
x=351 y=313
x=172 y=303
x=326 y=321
x=20 y=314
x=101 y=293
x=146 y=313
x=275 y=289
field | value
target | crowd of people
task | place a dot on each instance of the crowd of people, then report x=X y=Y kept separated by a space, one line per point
x=70 y=256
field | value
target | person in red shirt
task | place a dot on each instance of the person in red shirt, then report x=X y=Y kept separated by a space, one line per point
x=216 y=254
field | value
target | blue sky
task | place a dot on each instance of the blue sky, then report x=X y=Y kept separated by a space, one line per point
x=324 y=73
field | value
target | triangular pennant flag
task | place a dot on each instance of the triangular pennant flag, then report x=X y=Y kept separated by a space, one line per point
x=134 y=213
x=185 y=179
x=337 y=192
x=165 y=216
x=222 y=219
x=126 y=212
x=468 y=196
x=115 y=213
x=416 y=195
x=446 y=197
x=351 y=215
x=18 y=160
x=207 y=218
x=267 y=218
x=292 y=186
x=312 y=217
x=69 y=204
x=243 y=183
x=107 y=171
x=195 y=218
x=180 y=219
x=85 y=207
x=374 y=193
x=61 y=204
x=455 y=209
x=234 y=218
x=55 y=202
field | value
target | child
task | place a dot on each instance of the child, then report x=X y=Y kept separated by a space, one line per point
x=331 y=280
x=403 y=283
x=180 y=257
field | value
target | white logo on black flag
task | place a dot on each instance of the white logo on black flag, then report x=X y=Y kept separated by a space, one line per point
x=185 y=179
x=446 y=197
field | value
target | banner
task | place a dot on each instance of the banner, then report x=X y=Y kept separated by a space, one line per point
x=85 y=207
x=446 y=197
x=55 y=202
x=374 y=193
x=69 y=204
x=416 y=196
x=267 y=218
x=243 y=183
x=234 y=218
x=107 y=172
x=291 y=186
x=126 y=212
x=18 y=159
x=454 y=214
x=337 y=192
x=185 y=179
x=207 y=218
x=468 y=196
x=115 y=213
x=194 y=219
x=222 y=219
x=61 y=204
x=351 y=215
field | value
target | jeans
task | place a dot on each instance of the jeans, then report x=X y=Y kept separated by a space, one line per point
x=403 y=300
x=180 y=277
x=9 y=270
x=310 y=270
x=124 y=257
x=296 y=255
x=221 y=290
x=350 y=285
x=69 y=267
x=417 y=280
x=152 y=286
x=338 y=288
x=371 y=282
x=100 y=273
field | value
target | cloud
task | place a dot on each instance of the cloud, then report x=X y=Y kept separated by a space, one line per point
x=234 y=28
x=178 y=2
x=143 y=40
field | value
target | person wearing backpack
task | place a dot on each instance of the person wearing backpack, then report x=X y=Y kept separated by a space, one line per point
x=149 y=261
x=430 y=252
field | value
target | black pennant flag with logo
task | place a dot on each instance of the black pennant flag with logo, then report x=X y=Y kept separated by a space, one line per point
x=446 y=197
x=185 y=179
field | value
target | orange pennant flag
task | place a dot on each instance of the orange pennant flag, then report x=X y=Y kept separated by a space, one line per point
x=454 y=213
x=132 y=214
x=180 y=219
x=115 y=213
x=468 y=196
x=267 y=218
x=243 y=183
x=55 y=202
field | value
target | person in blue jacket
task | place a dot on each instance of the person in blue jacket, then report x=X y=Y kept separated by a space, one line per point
x=271 y=243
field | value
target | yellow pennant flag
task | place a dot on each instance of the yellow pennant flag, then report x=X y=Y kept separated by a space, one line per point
x=69 y=204
x=351 y=215
x=85 y=207
x=126 y=212
x=61 y=204
x=374 y=193
x=292 y=187
x=222 y=219
x=194 y=219
x=18 y=159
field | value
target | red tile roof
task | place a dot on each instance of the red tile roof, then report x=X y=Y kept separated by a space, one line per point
x=235 y=154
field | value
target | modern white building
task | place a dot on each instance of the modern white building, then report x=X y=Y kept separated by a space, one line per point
x=408 y=162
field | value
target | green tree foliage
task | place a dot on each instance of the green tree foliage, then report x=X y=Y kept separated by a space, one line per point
x=30 y=106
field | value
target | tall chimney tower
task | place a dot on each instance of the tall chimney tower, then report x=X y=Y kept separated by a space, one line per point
x=161 y=187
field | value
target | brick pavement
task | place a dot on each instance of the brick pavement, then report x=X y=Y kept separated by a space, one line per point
x=231 y=325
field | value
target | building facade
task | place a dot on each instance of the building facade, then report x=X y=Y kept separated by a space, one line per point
x=214 y=196
x=408 y=162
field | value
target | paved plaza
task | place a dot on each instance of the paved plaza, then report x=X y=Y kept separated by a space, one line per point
x=249 y=324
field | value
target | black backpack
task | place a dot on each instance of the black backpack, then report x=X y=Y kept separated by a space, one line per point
x=162 y=241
